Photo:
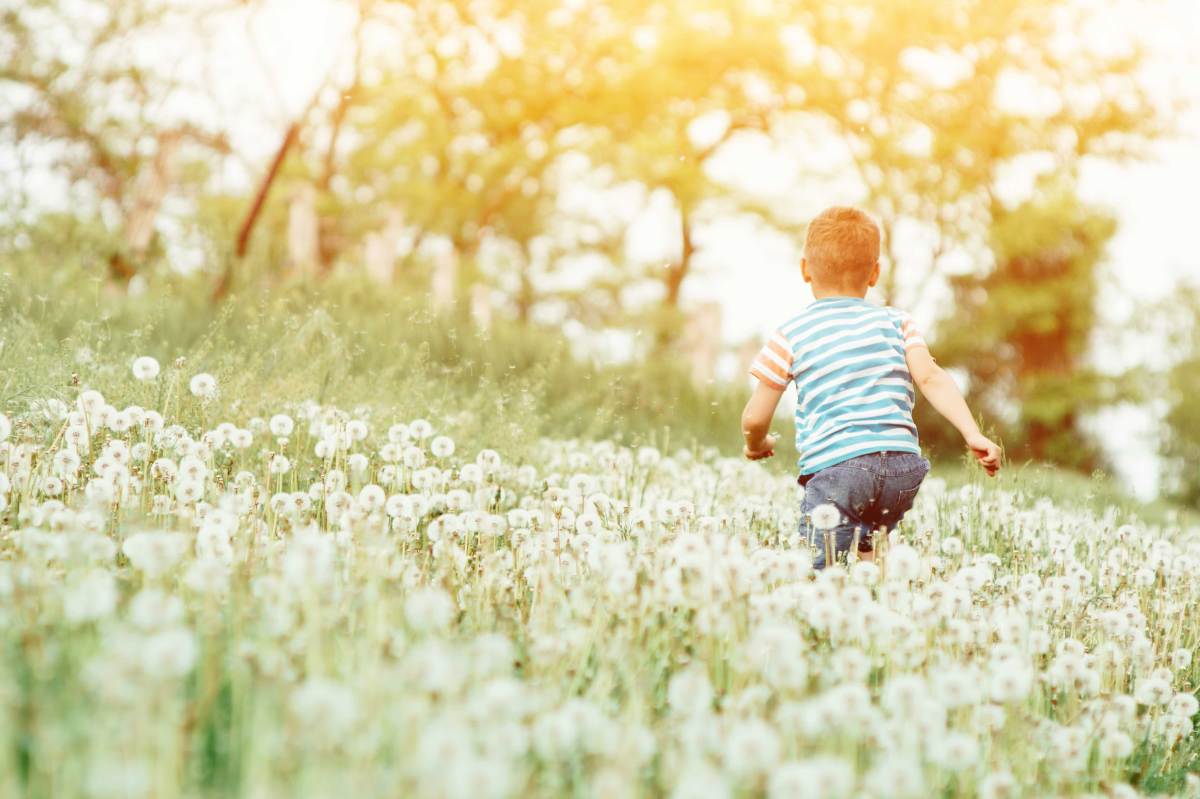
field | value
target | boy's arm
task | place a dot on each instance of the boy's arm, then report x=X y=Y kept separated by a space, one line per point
x=939 y=388
x=756 y=420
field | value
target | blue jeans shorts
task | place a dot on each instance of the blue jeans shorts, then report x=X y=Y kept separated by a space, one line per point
x=871 y=492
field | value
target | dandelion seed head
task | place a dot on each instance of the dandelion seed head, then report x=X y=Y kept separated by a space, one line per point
x=145 y=368
x=203 y=386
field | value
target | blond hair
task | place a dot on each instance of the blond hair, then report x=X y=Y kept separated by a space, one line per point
x=842 y=247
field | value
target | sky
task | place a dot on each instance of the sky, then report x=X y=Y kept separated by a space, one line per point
x=262 y=69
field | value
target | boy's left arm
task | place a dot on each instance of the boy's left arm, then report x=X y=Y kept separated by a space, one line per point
x=756 y=421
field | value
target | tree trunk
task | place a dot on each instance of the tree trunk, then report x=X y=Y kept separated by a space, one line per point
x=148 y=198
x=260 y=199
x=678 y=271
x=525 y=293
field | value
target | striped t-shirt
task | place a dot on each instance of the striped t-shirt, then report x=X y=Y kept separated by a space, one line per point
x=854 y=393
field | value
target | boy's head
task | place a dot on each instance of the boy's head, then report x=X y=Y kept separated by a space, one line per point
x=841 y=252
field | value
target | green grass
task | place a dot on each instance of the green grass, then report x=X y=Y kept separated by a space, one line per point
x=353 y=343
x=347 y=342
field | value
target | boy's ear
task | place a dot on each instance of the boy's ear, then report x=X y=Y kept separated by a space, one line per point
x=874 y=275
x=804 y=270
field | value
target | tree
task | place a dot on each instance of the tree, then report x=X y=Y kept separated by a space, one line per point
x=1181 y=421
x=82 y=110
x=936 y=100
x=932 y=104
x=1021 y=329
x=467 y=120
x=460 y=131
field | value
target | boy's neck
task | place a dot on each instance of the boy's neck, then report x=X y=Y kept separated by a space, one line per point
x=842 y=294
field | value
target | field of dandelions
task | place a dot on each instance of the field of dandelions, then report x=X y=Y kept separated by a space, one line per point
x=328 y=602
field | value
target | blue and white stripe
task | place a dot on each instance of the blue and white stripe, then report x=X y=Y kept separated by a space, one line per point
x=854 y=391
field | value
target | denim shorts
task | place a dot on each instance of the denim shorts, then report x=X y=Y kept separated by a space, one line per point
x=871 y=492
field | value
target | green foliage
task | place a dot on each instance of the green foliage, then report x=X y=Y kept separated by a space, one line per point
x=347 y=341
x=469 y=124
x=83 y=112
x=477 y=127
x=1181 y=436
x=1021 y=330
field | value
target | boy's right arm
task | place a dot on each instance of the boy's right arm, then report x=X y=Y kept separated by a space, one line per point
x=939 y=388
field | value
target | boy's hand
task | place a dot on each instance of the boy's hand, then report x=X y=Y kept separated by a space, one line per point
x=986 y=452
x=765 y=450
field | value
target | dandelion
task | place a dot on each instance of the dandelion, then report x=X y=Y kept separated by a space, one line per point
x=1115 y=745
x=689 y=692
x=956 y=751
x=371 y=498
x=751 y=748
x=998 y=785
x=701 y=781
x=324 y=706
x=1183 y=705
x=356 y=429
x=207 y=576
x=393 y=562
x=145 y=368
x=864 y=573
x=442 y=447
x=154 y=553
x=648 y=456
x=1152 y=691
x=169 y=654
x=895 y=776
x=203 y=386
x=152 y=608
x=429 y=610
x=281 y=425
x=91 y=597
x=188 y=491
x=818 y=777
x=903 y=563
x=826 y=516
x=358 y=464
x=413 y=457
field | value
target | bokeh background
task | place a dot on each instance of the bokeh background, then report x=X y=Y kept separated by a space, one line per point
x=582 y=217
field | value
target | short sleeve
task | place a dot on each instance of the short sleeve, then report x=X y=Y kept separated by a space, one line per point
x=773 y=364
x=912 y=336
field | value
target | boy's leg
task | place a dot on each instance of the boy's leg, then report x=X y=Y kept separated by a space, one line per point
x=849 y=489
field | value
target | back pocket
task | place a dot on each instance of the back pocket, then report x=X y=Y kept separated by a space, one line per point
x=905 y=500
x=894 y=504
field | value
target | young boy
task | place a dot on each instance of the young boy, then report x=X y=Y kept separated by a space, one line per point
x=854 y=365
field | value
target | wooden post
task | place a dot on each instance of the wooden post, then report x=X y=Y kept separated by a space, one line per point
x=383 y=248
x=149 y=195
x=303 y=231
x=701 y=341
x=445 y=277
x=481 y=305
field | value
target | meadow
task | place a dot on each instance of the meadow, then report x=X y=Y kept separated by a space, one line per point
x=294 y=550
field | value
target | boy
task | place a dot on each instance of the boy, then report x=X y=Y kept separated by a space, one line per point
x=854 y=365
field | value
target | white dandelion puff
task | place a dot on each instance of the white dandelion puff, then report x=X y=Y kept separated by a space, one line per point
x=203 y=385
x=826 y=516
x=145 y=368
